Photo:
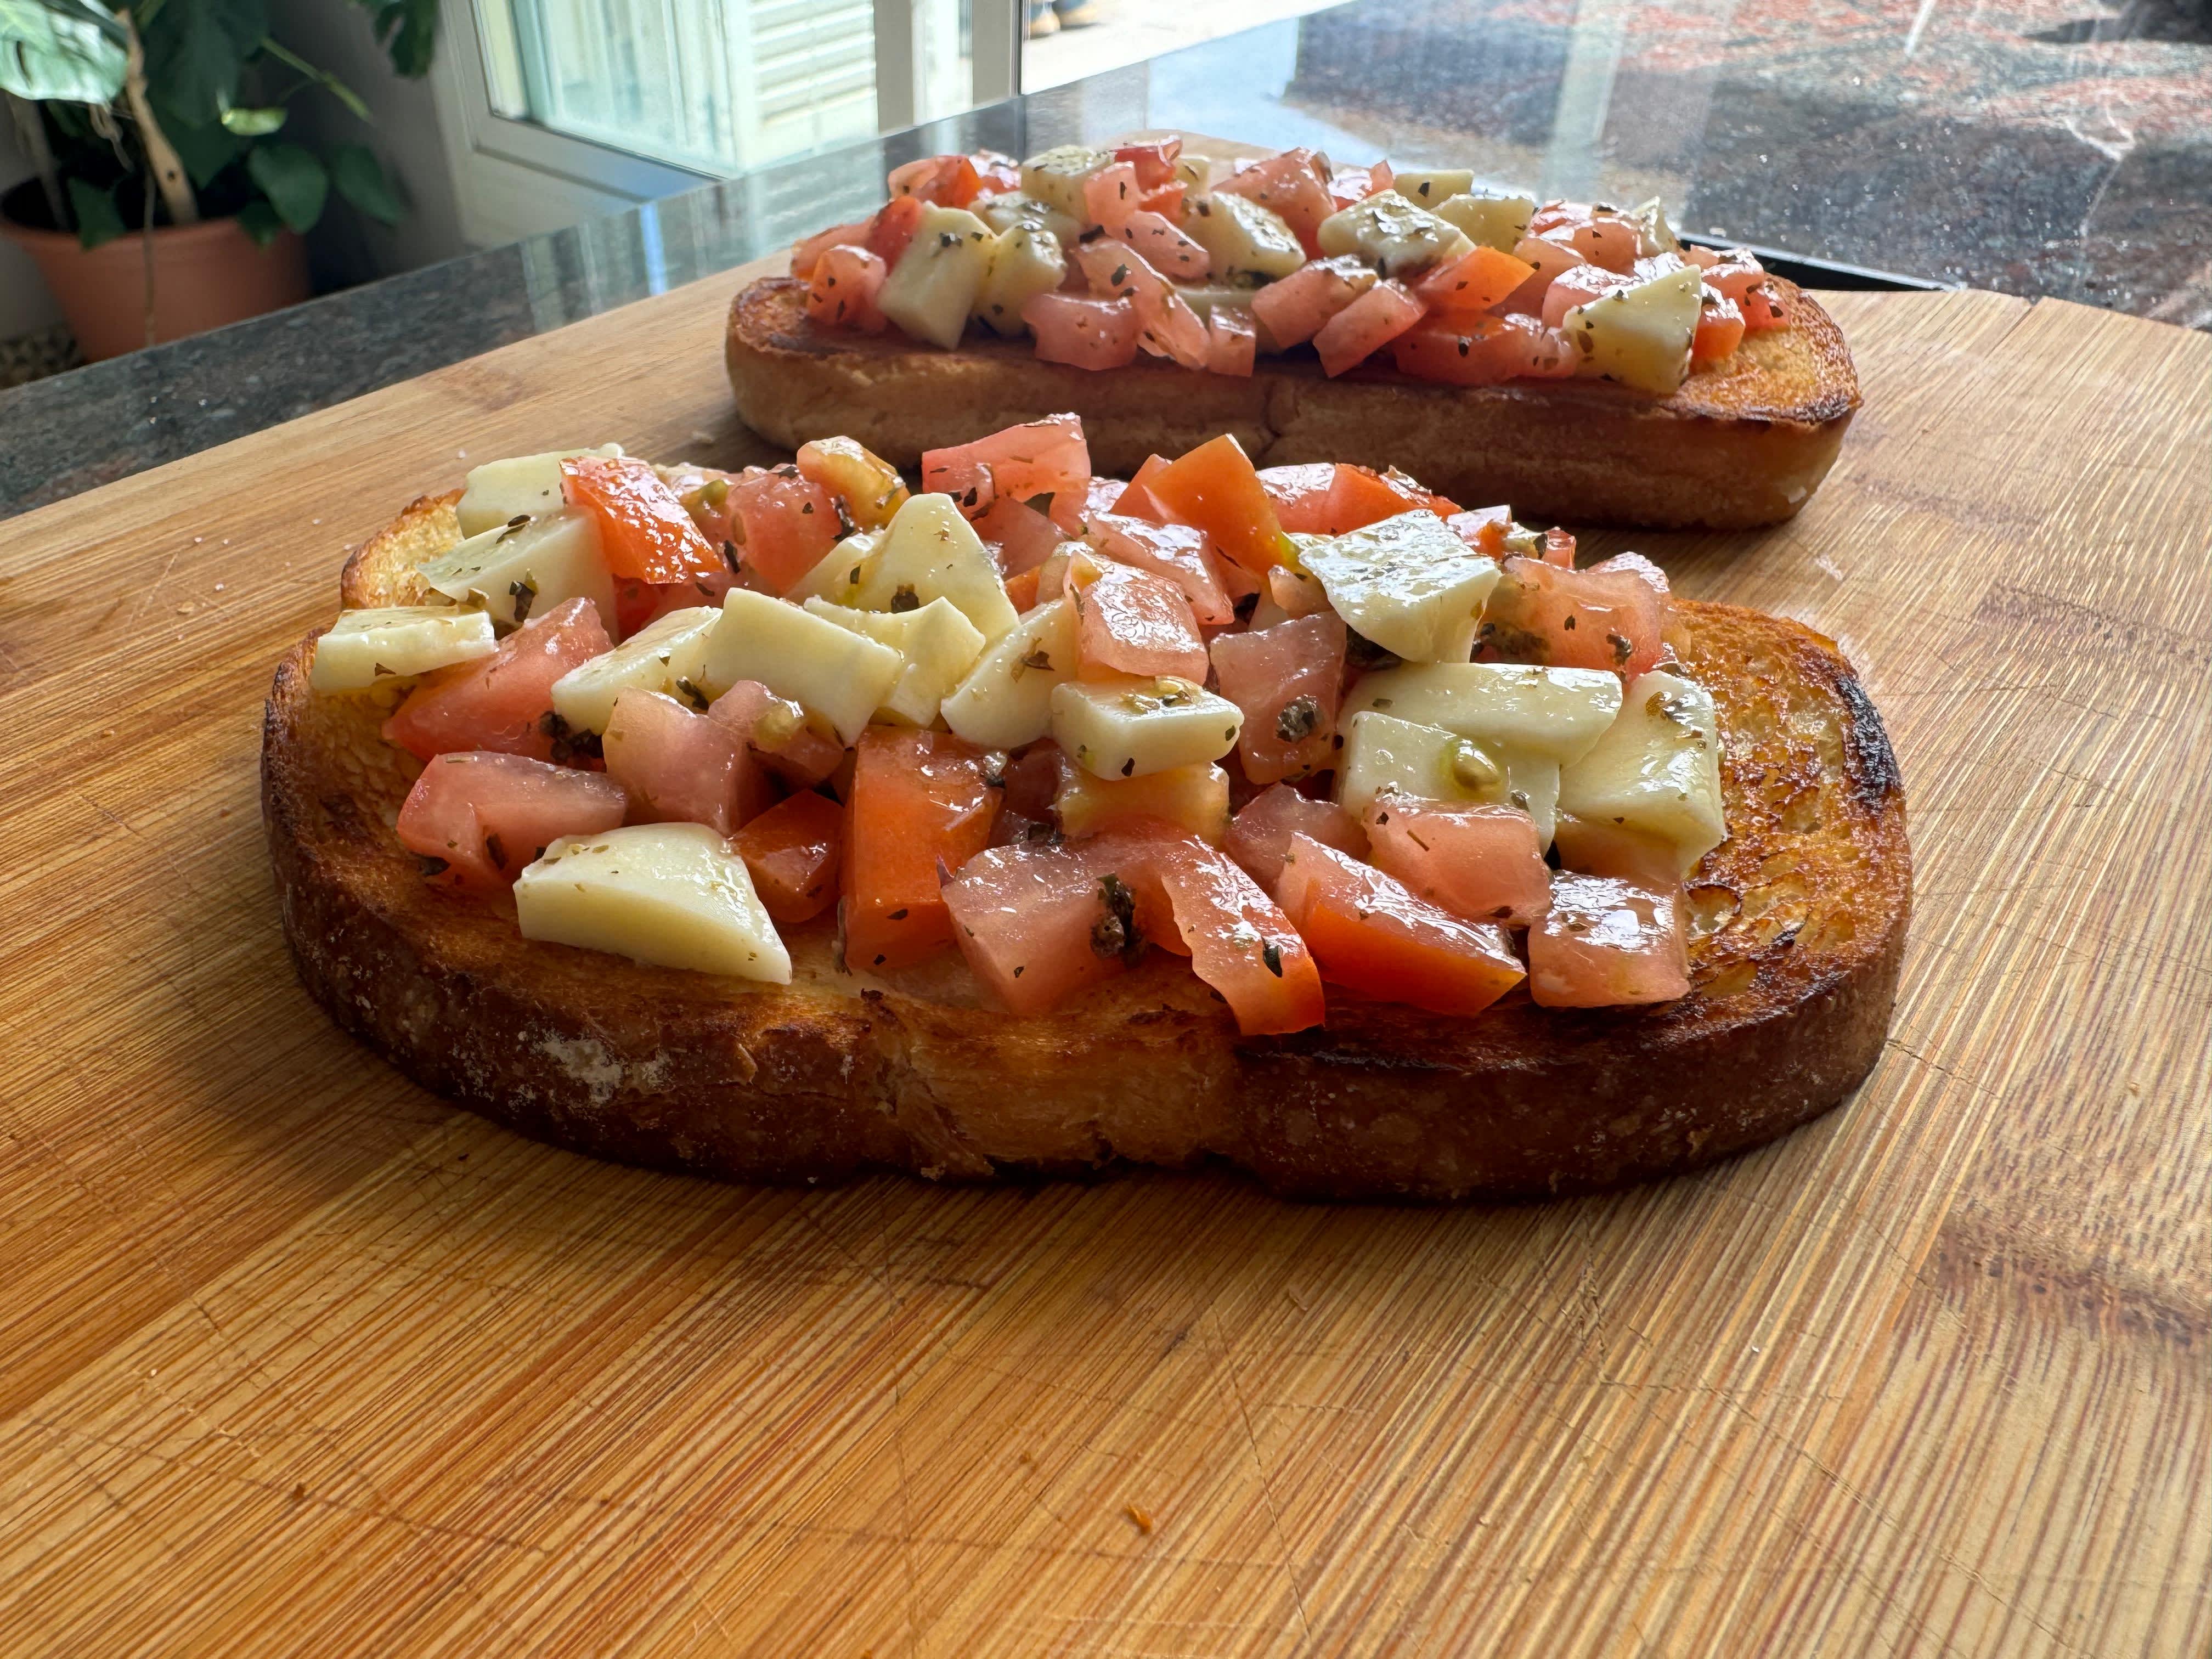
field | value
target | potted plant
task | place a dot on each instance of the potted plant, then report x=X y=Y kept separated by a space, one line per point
x=168 y=196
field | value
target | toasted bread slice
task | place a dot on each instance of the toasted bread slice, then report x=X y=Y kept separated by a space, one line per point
x=1800 y=925
x=1740 y=444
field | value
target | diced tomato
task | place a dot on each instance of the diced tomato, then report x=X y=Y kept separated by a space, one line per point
x=1167 y=326
x=640 y=605
x=1025 y=537
x=1021 y=589
x=783 y=523
x=1136 y=500
x=1101 y=494
x=1033 y=780
x=486 y=814
x=1481 y=863
x=1549 y=259
x=947 y=180
x=1239 y=940
x=1038 y=458
x=1175 y=551
x=1153 y=161
x=1487 y=351
x=1296 y=308
x=1380 y=177
x=1599 y=847
x=1292 y=184
x=1578 y=287
x=1132 y=621
x=919 y=799
x=1165 y=246
x=1167 y=201
x=1083 y=333
x=1763 y=308
x=1483 y=529
x=808 y=253
x=1485 y=278
x=893 y=228
x=1037 y=922
x=1350 y=184
x=1232 y=343
x=1574 y=618
x=1260 y=835
x=505 y=701
x=1720 y=330
x=1634 y=564
x=1373 y=936
x=1605 y=943
x=1334 y=498
x=1559 y=549
x=778 y=734
x=681 y=767
x=1288 y=679
x=841 y=294
x=1732 y=273
x=1110 y=196
x=869 y=485
x=1603 y=238
x=1365 y=326
x=791 y=851
x=995 y=173
x=645 y=532
x=1215 y=488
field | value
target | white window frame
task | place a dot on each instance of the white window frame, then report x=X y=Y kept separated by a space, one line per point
x=515 y=178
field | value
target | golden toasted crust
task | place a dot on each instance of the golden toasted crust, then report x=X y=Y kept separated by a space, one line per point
x=1800 y=926
x=1738 y=445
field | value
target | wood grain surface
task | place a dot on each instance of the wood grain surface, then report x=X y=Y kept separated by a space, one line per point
x=294 y=1358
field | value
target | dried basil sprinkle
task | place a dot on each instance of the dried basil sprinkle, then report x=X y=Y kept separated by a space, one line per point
x=1298 y=720
x=525 y=594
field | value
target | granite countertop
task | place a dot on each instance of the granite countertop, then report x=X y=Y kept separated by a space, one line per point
x=2010 y=144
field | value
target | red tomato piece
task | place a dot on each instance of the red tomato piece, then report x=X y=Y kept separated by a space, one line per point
x=1485 y=278
x=1574 y=618
x=485 y=815
x=1720 y=330
x=1232 y=343
x=1373 y=936
x=1038 y=458
x=1763 y=308
x=995 y=174
x=1215 y=488
x=1481 y=863
x=1731 y=273
x=1294 y=185
x=791 y=851
x=1038 y=921
x=783 y=522
x=1606 y=942
x=1350 y=184
x=1175 y=551
x=777 y=733
x=947 y=180
x=1083 y=333
x=1297 y=306
x=505 y=701
x=1483 y=529
x=1137 y=501
x=1025 y=537
x=1153 y=161
x=1559 y=549
x=1288 y=679
x=681 y=767
x=1132 y=621
x=918 y=798
x=1486 y=351
x=842 y=292
x=1110 y=196
x=1260 y=835
x=1239 y=940
x=1603 y=238
x=869 y=486
x=645 y=532
x=1167 y=326
x=1549 y=260
x=1578 y=287
x=1333 y=498
x=1022 y=588
x=1597 y=846
x=1165 y=246
x=1365 y=326
x=1380 y=177
x=892 y=228
x=1167 y=201
x=806 y=254
x=1634 y=564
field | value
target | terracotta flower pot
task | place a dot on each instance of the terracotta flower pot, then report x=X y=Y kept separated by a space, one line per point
x=205 y=275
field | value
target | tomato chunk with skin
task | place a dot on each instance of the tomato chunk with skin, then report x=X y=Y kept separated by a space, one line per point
x=1049 y=457
x=1763 y=308
x=1548 y=260
x=778 y=734
x=1178 y=552
x=893 y=228
x=946 y=180
x=1574 y=618
x=1232 y=343
x=484 y=815
x=791 y=852
x=919 y=799
x=1025 y=537
x=841 y=292
x=1372 y=935
x=1579 y=287
x=1608 y=943
x=1215 y=488
x=1152 y=160
x=680 y=766
x=1132 y=621
x=645 y=530
x=1238 y=939
x=782 y=522
x=1297 y=306
x=1559 y=549
x=1165 y=246
x=1486 y=277
x=1481 y=863
x=1260 y=835
x=1334 y=498
x=1288 y=679
x=505 y=701
x=1365 y=326
x=1483 y=529
x=1081 y=332
x=1483 y=351
x=807 y=254
x=1720 y=330
x=1038 y=922
x=1167 y=326
x=1110 y=196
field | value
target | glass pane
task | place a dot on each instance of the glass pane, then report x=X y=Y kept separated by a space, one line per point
x=1067 y=40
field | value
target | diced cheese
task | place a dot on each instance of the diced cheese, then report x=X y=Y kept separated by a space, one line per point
x=1557 y=712
x=364 y=647
x=1205 y=298
x=1532 y=783
x=1381 y=752
x=1653 y=233
x=1056 y=178
x=930 y=552
x=1243 y=238
x=1432 y=188
x=1640 y=335
x=932 y=290
x=666 y=656
x=1498 y=221
x=838 y=575
x=516 y=571
x=524 y=486
x=1406 y=583
x=1129 y=725
x=1025 y=261
x=1392 y=235
x=1193 y=798
x=939 y=645
x=673 y=895
x=1009 y=208
x=1656 y=769
x=841 y=675
x=1005 y=700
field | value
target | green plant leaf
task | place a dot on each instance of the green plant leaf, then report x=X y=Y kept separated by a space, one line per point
x=408 y=31
x=48 y=49
x=98 y=219
x=253 y=123
x=294 y=180
x=337 y=89
x=204 y=150
x=195 y=50
x=360 y=181
x=259 y=221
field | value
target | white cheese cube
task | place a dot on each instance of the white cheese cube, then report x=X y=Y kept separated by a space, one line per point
x=1009 y=208
x=1025 y=261
x=932 y=290
x=1205 y=298
x=1130 y=725
x=1656 y=769
x=1532 y=783
x=1406 y=583
x=1192 y=798
x=1243 y=238
x=843 y=676
x=1392 y=234
x=363 y=648
x=1557 y=712
x=522 y=487
x=516 y=571
x=672 y=895
x=1432 y=187
x=1005 y=700
x=1640 y=335
x=939 y=645
x=930 y=552
x=838 y=575
x=668 y=656
x=1056 y=177
x=1653 y=235
x=1426 y=762
x=1498 y=221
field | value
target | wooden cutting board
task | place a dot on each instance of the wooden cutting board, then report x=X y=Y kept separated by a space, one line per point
x=294 y=1357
